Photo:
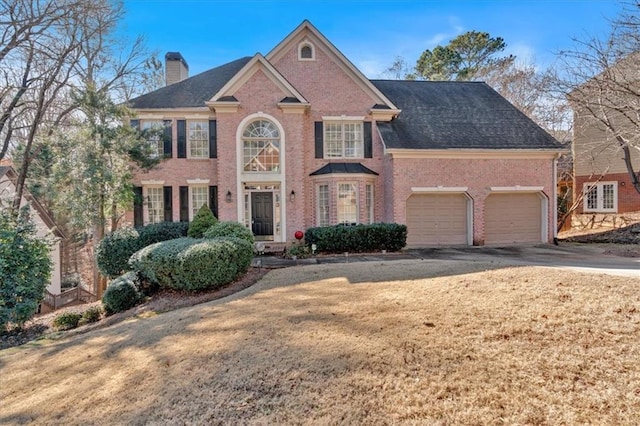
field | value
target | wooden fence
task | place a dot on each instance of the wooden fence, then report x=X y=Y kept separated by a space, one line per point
x=56 y=301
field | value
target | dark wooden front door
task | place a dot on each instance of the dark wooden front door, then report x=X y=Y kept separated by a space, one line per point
x=262 y=214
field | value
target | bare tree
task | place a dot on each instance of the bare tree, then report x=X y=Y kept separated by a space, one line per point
x=601 y=81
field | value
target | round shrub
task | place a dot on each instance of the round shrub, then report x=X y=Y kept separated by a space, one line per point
x=162 y=231
x=67 y=321
x=121 y=294
x=194 y=264
x=92 y=315
x=202 y=221
x=230 y=229
x=113 y=252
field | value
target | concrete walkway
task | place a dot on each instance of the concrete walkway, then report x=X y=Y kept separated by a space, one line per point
x=577 y=257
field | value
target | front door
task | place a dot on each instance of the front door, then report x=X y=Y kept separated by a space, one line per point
x=262 y=215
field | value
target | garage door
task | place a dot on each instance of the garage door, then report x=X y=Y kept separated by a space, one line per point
x=513 y=218
x=436 y=219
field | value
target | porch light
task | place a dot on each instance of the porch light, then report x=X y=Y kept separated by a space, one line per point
x=292 y=196
x=228 y=197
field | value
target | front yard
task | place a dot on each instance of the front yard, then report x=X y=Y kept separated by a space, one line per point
x=423 y=342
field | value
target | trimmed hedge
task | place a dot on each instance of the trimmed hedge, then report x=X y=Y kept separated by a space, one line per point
x=194 y=264
x=115 y=249
x=202 y=221
x=230 y=229
x=358 y=238
x=121 y=294
x=67 y=320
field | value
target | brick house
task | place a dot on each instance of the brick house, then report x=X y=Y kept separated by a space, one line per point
x=300 y=138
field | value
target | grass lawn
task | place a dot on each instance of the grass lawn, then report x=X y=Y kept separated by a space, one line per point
x=415 y=342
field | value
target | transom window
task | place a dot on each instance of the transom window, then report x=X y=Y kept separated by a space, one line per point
x=198 y=139
x=199 y=197
x=153 y=130
x=155 y=204
x=261 y=147
x=343 y=140
x=601 y=197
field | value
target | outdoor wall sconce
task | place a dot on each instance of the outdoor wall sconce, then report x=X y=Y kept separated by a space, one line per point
x=292 y=196
x=228 y=197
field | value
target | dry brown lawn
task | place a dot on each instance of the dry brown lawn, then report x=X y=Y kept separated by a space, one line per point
x=415 y=342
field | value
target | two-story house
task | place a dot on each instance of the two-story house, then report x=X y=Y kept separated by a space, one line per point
x=300 y=137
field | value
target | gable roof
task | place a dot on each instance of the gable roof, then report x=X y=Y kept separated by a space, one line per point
x=193 y=91
x=457 y=115
x=39 y=208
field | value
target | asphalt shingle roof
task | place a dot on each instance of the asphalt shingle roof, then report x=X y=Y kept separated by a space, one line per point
x=457 y=115
x=332 y=168
x=193 y=91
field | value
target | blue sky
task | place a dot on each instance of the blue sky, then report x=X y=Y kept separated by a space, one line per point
x=370 y=33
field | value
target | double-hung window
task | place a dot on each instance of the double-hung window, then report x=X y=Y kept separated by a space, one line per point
x=153 y=131
x=199 y=197
x=155 y=204
x=198 y=139
x=323 y=205
x=601 y=197
x=343 y=139
x=347 y=203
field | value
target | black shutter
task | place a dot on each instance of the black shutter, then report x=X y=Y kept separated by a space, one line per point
x=138 y=217
x=213 y=139
x=168 y=139
x=319 y=139
x=368 y=140
x=213 y=200
x=135 y=123
x=168 y=204
x=184 y=204
x=182 y=138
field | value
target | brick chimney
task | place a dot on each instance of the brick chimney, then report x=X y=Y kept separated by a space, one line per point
x=175 y=68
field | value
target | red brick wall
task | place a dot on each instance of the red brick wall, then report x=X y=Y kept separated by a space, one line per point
x=628 y=197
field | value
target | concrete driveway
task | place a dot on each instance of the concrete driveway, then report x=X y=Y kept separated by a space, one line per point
x=577 y=257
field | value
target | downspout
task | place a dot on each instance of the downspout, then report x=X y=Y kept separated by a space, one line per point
x=555 y=198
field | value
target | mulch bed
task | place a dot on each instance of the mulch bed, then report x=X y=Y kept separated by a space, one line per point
x=164 y=300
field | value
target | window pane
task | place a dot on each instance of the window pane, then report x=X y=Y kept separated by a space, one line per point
x=347 y=203
x=199 y=197
x=369 y=202
x=607 y=196
x=153 y=131
x=323 y=205
x=155 y=204
x=592 y=197
x=343 y=140
x=198 y=139
x=261 y=149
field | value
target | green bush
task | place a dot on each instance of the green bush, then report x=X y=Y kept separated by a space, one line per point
x=67 y=320
x=203 y=220
x=358 y=238
x=113 y=252
x=25 y=268
x=92 y=315
x=193 y=264
x=115 y=249
x=121 y=294
x=230 y=229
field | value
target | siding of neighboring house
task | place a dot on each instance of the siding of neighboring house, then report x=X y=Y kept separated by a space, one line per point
x=44 y=227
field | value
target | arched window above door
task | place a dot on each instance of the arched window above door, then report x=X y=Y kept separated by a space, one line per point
x=261 y=147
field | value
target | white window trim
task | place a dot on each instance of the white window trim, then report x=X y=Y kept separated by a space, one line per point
x=370 y=209
x=146 y=217
x=188 y=140
x=357 y=197
x=191 y=188
x=342 y=121
x=156 y=125
x=599 y=197
x=318 y=212
x=306 y=43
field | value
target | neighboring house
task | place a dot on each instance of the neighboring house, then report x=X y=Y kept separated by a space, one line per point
x=301 y=138
x=46 y=227
x=601 y=176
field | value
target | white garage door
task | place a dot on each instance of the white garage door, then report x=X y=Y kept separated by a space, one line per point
x=436 y=219
x=513 y=218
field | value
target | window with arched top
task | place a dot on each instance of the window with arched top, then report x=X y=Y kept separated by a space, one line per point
x=261 y=147
x=305 y=52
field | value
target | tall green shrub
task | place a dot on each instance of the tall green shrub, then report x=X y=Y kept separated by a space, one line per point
x=203 y=220
x=25 y=268
x=194 y=264
x=230 y=229
x=121 y=294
